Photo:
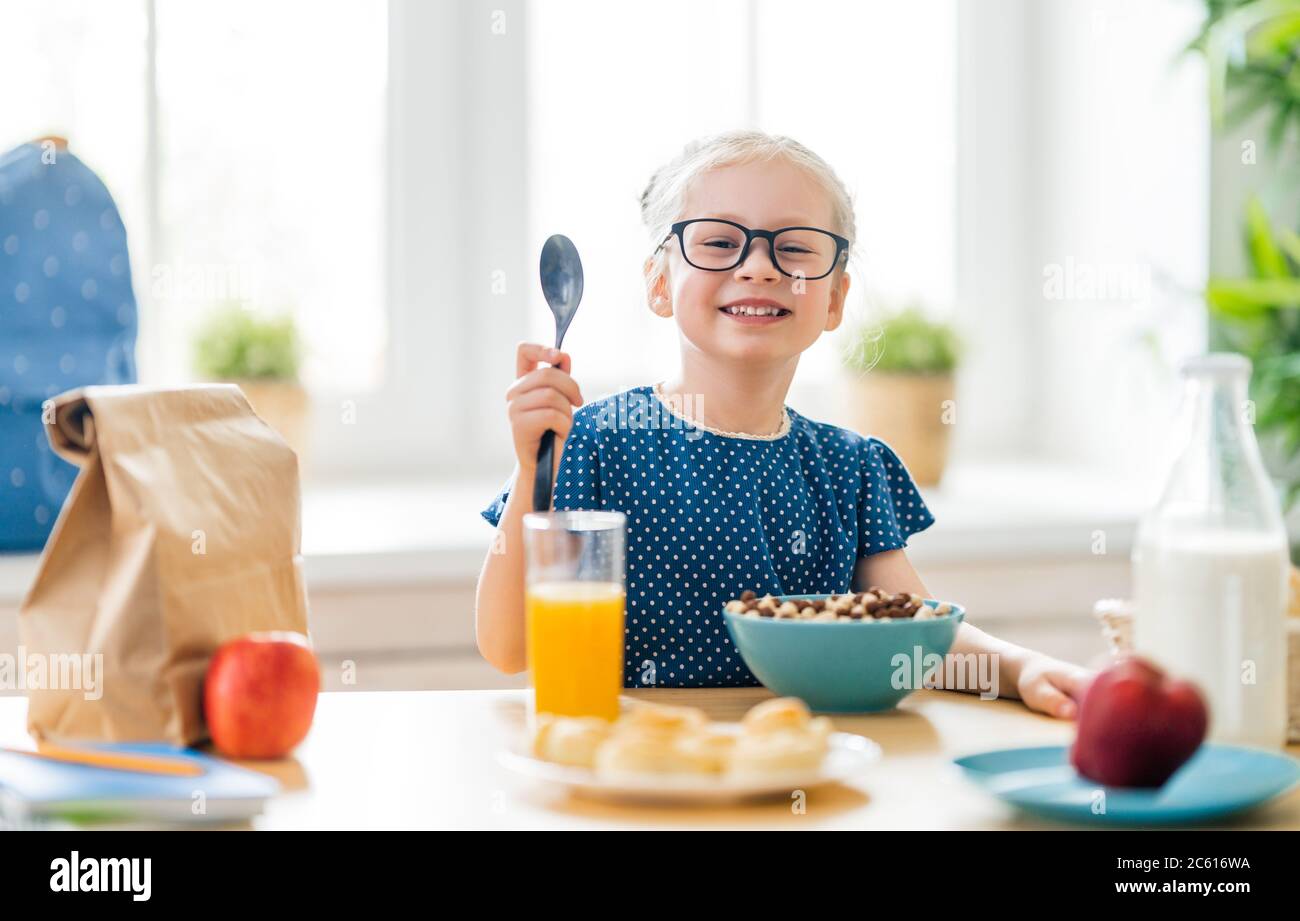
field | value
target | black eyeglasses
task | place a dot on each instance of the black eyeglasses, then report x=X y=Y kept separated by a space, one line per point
x=715 y=245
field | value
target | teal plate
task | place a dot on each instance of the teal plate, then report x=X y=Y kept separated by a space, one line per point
x=1216 y=782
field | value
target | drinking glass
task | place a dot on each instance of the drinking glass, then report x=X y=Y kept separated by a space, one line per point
x=574 y=608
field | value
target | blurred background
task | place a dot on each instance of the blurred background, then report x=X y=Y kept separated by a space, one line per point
x=340 y=205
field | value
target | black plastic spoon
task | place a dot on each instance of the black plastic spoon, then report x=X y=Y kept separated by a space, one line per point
x=561 y=271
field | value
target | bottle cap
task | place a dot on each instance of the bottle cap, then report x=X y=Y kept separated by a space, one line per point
x=1216 y=364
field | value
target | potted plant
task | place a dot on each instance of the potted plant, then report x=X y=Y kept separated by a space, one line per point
x=261 y=354
x=902 y=387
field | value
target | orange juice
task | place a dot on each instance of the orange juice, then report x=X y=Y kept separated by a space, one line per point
x=575 y=647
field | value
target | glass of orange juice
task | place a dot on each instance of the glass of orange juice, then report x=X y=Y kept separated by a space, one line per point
x=574 y=611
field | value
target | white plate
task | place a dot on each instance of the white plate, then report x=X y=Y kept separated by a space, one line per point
x=848 y=756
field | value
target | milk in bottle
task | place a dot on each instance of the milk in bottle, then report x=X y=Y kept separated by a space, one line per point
x=1211 y=563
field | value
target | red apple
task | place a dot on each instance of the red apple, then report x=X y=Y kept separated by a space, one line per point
x=259 y=696
x=1137 y=726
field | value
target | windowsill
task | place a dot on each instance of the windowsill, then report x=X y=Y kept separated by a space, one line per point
x=359 y=534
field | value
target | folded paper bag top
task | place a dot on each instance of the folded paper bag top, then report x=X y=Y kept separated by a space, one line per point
x=182 y=530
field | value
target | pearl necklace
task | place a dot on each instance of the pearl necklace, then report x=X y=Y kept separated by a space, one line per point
x=779 y=433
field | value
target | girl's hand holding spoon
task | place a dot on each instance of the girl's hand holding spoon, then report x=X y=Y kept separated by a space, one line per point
x=541 y=398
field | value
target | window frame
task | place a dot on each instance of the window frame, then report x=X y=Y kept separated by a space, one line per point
x=457 y=170
x=455 y=137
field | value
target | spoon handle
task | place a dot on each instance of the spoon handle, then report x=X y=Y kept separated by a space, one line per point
x=545 y=464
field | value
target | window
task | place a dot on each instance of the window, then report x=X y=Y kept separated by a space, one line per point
x=78 y=69
x=390 y=172
x=244 y=144
x=271 y=183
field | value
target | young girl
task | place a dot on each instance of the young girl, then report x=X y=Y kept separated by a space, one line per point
x=740 y=492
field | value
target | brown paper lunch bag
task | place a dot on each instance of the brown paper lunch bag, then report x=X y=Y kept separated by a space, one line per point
x=181 y=531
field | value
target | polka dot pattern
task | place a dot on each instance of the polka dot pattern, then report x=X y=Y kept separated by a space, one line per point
x=711 y=515
x=67 y=319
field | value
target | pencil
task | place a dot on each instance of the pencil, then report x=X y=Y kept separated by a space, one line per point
x=122 y=761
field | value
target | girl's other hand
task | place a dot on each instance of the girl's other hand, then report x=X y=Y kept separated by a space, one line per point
x=541 y=398
x=1052 y=686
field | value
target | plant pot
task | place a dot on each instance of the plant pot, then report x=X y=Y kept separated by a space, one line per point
x=906 y=411
x=283 y=405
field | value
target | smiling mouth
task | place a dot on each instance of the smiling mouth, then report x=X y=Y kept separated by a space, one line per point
x=745 y=310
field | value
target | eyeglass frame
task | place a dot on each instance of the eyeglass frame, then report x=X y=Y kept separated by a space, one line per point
x=841 y=245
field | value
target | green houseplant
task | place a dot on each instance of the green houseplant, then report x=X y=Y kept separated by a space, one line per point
x=1252 y=52
x=1259 y=316
x=235 y=343
x=262 y=354
x=901 y=373
x=1252 y=48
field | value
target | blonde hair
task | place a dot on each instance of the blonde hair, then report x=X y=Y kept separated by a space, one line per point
x=665 y=194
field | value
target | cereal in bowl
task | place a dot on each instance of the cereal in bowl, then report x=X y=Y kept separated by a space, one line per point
x=872 y=605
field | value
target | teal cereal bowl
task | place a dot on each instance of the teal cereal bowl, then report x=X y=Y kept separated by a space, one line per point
x=843 y=666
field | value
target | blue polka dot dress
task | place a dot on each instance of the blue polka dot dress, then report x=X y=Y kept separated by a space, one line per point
x=710 y=515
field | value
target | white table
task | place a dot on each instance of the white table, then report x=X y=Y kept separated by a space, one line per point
x=427 y=759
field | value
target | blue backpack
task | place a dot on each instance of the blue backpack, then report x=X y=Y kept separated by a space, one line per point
x=67 y=319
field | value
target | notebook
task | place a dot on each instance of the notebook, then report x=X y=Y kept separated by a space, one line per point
x=33 y=789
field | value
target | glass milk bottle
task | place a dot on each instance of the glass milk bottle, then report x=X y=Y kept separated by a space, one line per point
x=1210 y=562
